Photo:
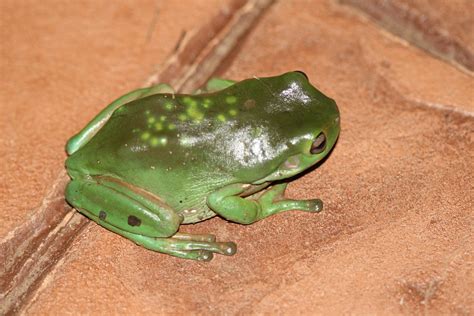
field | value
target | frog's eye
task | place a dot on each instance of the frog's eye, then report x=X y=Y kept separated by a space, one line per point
x=319 y=144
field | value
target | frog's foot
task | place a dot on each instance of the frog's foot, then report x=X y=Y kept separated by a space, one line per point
x=208 y=241
x=195 y=237
x=228 y=203
x=182 y=248
x=195 y=243
x=313 y=206
x=273 y=201
x=204 y=243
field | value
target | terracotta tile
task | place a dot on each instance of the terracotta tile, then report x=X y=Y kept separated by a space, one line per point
x=63 y=62
x=444 y=28
x=395 y=233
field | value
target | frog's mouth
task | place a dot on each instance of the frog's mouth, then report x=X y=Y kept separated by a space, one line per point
x=290 y=167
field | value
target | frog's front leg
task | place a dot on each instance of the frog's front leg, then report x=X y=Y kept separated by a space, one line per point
x=213 y=85
x=229 y=203
x=216 y=84
x=140 y=217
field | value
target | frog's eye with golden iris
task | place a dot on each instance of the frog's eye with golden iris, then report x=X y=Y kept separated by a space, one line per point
x=319 y=144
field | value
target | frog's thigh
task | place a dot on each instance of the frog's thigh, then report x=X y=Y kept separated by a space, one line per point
x=122 y=206
x=227 y=203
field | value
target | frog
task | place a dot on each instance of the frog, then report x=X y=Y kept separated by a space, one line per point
x=154 y=159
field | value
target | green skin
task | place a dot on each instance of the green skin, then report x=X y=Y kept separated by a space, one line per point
x=153 y=160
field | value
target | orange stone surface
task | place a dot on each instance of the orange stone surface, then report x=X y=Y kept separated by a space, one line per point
x=395 y=236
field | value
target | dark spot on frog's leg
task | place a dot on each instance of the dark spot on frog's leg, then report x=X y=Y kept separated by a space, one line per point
x=102 y=215
x=134 y=221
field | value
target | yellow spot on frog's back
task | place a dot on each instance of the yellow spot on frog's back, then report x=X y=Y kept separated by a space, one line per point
x=145 y=136
x=154 y=141
x=221 y=117
x=231 y=99
x=194 y=113
x=158 y=126
x=206 y=103
x=189 y=101
x=233 y=112
x=171 y=126
x=182 y=117
x=151 y=120
x=158 y=141
x=163 y=118
x=168 y=106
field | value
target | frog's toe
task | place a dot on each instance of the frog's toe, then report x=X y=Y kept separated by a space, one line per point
x=312 y=206
x=223 y=248
x=315 y=205
x=204 y=255
x=228 y=248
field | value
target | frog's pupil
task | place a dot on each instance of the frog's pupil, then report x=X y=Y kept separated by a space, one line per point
x=319 y=144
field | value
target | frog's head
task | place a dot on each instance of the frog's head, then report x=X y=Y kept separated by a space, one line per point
x=308 y=119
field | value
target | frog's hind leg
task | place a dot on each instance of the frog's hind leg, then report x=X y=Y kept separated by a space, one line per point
x=140 y=217
x=201 y=251
x=81 y=138
x=123 y=206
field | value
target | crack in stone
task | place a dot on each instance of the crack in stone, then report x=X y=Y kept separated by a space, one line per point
x=417 y=28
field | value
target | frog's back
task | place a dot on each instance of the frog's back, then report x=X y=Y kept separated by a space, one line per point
x=178 y=134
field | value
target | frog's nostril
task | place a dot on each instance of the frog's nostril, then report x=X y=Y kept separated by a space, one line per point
x=319 y=144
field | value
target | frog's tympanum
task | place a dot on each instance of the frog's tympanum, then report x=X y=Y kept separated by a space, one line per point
x=153 y=160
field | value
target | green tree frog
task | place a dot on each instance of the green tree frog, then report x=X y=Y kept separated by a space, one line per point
x=153 y=160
